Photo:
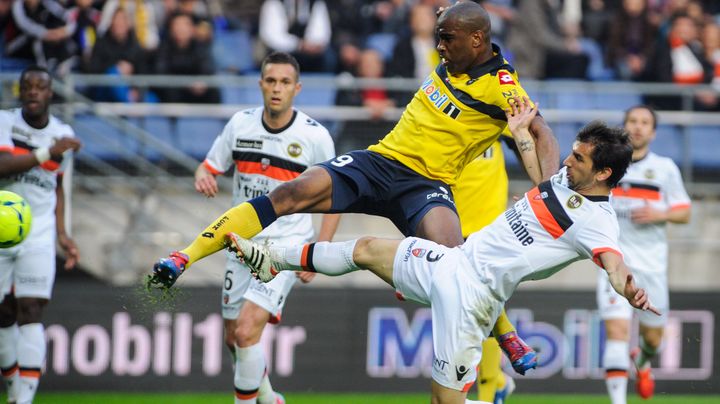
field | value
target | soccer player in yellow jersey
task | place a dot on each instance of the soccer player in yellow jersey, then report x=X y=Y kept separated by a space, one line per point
x=458 y=112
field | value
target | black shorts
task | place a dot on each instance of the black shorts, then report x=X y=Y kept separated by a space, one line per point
x=366 y=182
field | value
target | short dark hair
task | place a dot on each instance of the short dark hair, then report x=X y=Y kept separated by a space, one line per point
x=36 y=69
x=642 y=106
x=281 y=58
x=611 y=149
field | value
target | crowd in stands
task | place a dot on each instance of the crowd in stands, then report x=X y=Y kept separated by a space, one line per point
x=674 y=41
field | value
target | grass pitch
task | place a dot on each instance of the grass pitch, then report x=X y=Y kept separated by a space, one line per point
x=358 y=398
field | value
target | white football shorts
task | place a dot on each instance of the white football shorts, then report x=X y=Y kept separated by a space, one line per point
x=612 y=305
x=463 y=308
x=29 y=267
x=239 y=285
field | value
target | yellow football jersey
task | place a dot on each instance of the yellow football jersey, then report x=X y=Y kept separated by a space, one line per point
x=482 y=190
x=452 y=119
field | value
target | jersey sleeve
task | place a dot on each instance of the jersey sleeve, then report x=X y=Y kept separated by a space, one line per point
x=6 y=143
x=598 y=235
x=219 y=158
x=324 y=147
x=676 y=195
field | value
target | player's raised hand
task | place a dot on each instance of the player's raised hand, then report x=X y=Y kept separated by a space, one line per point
x=638 y=297
x=520 y=113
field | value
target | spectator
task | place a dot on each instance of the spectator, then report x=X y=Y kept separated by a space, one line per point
x=540 y=47
x=301 y=28
x=414 y=54
x=632 y=39
x=679 y=59
x=44 y=27
x=141 y=17
x=376 y=100
x=501 y=14
x=708 y=100
x=117 y=53
x=86 y=18
x=198 y=11
x=182 y=54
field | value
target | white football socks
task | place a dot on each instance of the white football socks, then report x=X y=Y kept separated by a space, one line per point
x=322 y=257
x=249 y=371
x=31 y=354
x=8 y=360
x=616 y=361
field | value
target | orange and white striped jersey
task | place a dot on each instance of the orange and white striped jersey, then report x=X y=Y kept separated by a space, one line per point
x=37 y=185
x=655 y=181
x=265 y=158
x=549 y=228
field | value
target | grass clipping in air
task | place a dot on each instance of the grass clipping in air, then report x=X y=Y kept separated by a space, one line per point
x=154 y=295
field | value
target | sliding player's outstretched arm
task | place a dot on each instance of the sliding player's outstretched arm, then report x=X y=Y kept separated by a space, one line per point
x=621 y=280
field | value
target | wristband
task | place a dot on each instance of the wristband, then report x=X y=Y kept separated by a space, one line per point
x=42 y=154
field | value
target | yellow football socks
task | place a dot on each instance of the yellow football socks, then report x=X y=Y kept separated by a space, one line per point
x=242 y=219
x=503 y=325
x=491 y=377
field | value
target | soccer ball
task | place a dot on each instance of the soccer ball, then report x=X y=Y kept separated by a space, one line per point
x=15 y=219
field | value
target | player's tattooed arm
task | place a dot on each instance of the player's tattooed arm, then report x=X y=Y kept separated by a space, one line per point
x=520 y=114
x=526 y=145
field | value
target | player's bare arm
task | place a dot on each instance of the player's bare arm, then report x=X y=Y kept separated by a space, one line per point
x=520 y=114
x=621 y=280
x=13 y=164
x=72 y=253
x=205 y=182
x=548 y=150
x=647 y=214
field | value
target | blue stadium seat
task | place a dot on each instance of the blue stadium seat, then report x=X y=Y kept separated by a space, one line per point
x=616 y=101
x=196 y=135
x=323 y=95
x=704 y=146
x=102 y=139
x=668 y=142
x=232 y=51
x=383 y=43
x=241 y=95
x=161 y=128
x=579 y=100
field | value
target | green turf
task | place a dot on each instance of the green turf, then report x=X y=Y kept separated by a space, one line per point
x=359 y=398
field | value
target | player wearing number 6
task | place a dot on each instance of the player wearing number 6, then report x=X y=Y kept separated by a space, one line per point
x=267 y=146
x=457 y=113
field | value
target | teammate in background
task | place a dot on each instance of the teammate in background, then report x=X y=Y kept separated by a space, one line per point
x=455 y=115
x=648 y=196
x=481 y=197
x=33 y=146
x=562 y=220
x=267 y=146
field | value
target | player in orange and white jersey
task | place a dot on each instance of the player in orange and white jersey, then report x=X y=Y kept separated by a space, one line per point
x=35 y=150
x=265 y=147
x=649 y=196
x=565 y=219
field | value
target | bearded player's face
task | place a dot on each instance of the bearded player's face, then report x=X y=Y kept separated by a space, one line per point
x=279 y=84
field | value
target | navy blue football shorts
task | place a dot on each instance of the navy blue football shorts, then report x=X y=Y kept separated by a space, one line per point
x=366 y=182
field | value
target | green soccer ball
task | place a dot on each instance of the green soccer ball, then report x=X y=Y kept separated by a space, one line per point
x=15 y=219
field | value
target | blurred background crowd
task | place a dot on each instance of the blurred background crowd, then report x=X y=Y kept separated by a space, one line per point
x=673 y=41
